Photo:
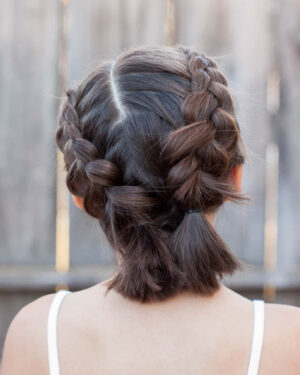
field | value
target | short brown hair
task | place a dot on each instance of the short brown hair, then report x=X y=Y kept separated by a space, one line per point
x=146 y=139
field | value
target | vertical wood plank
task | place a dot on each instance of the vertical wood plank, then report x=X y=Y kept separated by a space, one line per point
x=28 y=48
x=288 y=53
x=143 y=22
x=251 y=42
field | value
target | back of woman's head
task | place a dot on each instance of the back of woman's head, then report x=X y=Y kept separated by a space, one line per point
x=149 y=142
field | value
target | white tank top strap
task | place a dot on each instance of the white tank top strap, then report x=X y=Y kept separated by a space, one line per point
x=258 y=336
x=52 y=331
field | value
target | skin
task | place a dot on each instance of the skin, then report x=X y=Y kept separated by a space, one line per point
x=112 y=335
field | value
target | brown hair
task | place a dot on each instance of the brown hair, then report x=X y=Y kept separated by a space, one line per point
x=145 y=139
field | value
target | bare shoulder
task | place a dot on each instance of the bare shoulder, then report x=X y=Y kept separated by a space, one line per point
x=284 y=317
x=26 y=338
x=282 y=337
x=25 y=347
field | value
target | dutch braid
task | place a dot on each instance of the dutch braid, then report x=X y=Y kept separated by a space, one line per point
x=202 y=152
x=88 y=174
x=144 y=140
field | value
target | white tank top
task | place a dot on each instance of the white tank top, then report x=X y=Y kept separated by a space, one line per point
x=256 y=347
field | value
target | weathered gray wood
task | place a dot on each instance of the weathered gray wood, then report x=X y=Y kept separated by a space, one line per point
x=45 y=279
x=142 y=22
x=27 y=153
x=250 y=60
x=288 y=53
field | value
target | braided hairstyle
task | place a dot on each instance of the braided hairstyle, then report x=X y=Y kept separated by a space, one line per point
x=146 y=141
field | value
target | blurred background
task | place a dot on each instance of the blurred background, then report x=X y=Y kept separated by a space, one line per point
x=45 y=242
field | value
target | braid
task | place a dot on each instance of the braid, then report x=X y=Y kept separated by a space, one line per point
x=202 y=152
x=200 y=155
x=87 y=173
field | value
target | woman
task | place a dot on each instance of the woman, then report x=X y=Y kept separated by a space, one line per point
x=152 y=149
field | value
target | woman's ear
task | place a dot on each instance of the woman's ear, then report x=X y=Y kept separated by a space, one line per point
x=236 y=176
x=78 y=201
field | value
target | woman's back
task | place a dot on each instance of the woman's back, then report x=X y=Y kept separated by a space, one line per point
x=187 y=334
x=180 y=336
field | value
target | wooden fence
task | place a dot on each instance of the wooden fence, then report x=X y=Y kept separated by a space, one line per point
x=46 y=45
